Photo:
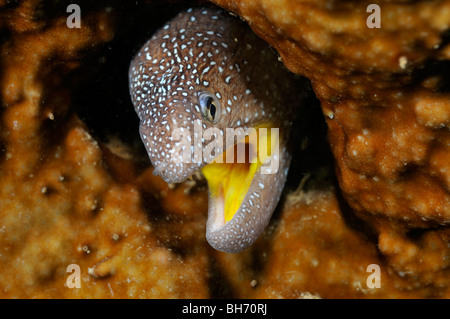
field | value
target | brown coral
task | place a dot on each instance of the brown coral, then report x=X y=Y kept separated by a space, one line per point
x=388 y=119
x=76 y=187
x=385 y=96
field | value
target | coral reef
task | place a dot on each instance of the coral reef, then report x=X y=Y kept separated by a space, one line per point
x=386 y=101
x=76 y=186
x=385 y=95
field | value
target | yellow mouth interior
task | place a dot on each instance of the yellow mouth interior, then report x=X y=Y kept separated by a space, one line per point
x=229 y=182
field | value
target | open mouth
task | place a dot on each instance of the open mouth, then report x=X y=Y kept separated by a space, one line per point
x=230 y=176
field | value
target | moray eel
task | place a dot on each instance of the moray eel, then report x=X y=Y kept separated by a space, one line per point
x=206 y=69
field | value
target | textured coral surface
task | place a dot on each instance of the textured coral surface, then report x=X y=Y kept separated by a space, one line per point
x=385 y=94
x=76 y=186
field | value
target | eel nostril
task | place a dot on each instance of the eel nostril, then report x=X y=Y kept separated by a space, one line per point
x=157 y=171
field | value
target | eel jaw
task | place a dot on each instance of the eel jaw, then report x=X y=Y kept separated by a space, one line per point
x=254 y=211
x=252 y=216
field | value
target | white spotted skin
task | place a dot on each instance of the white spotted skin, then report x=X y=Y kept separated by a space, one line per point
x=207 y=49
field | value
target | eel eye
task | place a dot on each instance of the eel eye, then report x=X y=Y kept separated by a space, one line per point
x=209 y=106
